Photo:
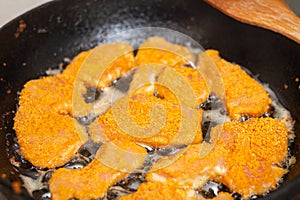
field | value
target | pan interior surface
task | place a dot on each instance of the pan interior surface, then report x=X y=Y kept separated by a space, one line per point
x=59 y=30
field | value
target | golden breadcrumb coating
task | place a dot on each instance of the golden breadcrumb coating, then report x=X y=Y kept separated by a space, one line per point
x=244 y=95
x=74 y=66
x=246 y=158
x=160 y=191
x=157 y=50
x=117 y=59
x=196 y=81
x=91 y=181
x=189 y=170
x=105 y=127
x=223 y=196
x=47 y=134
x=98 y=68
x=256 y=149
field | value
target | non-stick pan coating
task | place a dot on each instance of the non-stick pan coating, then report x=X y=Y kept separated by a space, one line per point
x=62 y=29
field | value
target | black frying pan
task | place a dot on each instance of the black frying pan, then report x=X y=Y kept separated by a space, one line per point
x=64 y=28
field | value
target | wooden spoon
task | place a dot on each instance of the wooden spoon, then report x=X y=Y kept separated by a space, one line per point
x=271 y=14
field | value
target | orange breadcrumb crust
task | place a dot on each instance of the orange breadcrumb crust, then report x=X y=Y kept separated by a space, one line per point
x=91 y=181
x=256 y=148
x=246 y=158
x=106 y=129
x=193 y=78
x=244 y=96
x=223 y=196
x=47 y=135
x=190 y=170
x=74 y=66
x=159 y=51
x=117 y=56
x=160 y=191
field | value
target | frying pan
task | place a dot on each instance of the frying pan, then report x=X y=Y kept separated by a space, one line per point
x=61 y=29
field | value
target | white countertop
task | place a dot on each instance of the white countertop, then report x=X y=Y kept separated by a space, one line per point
x=9 y=9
